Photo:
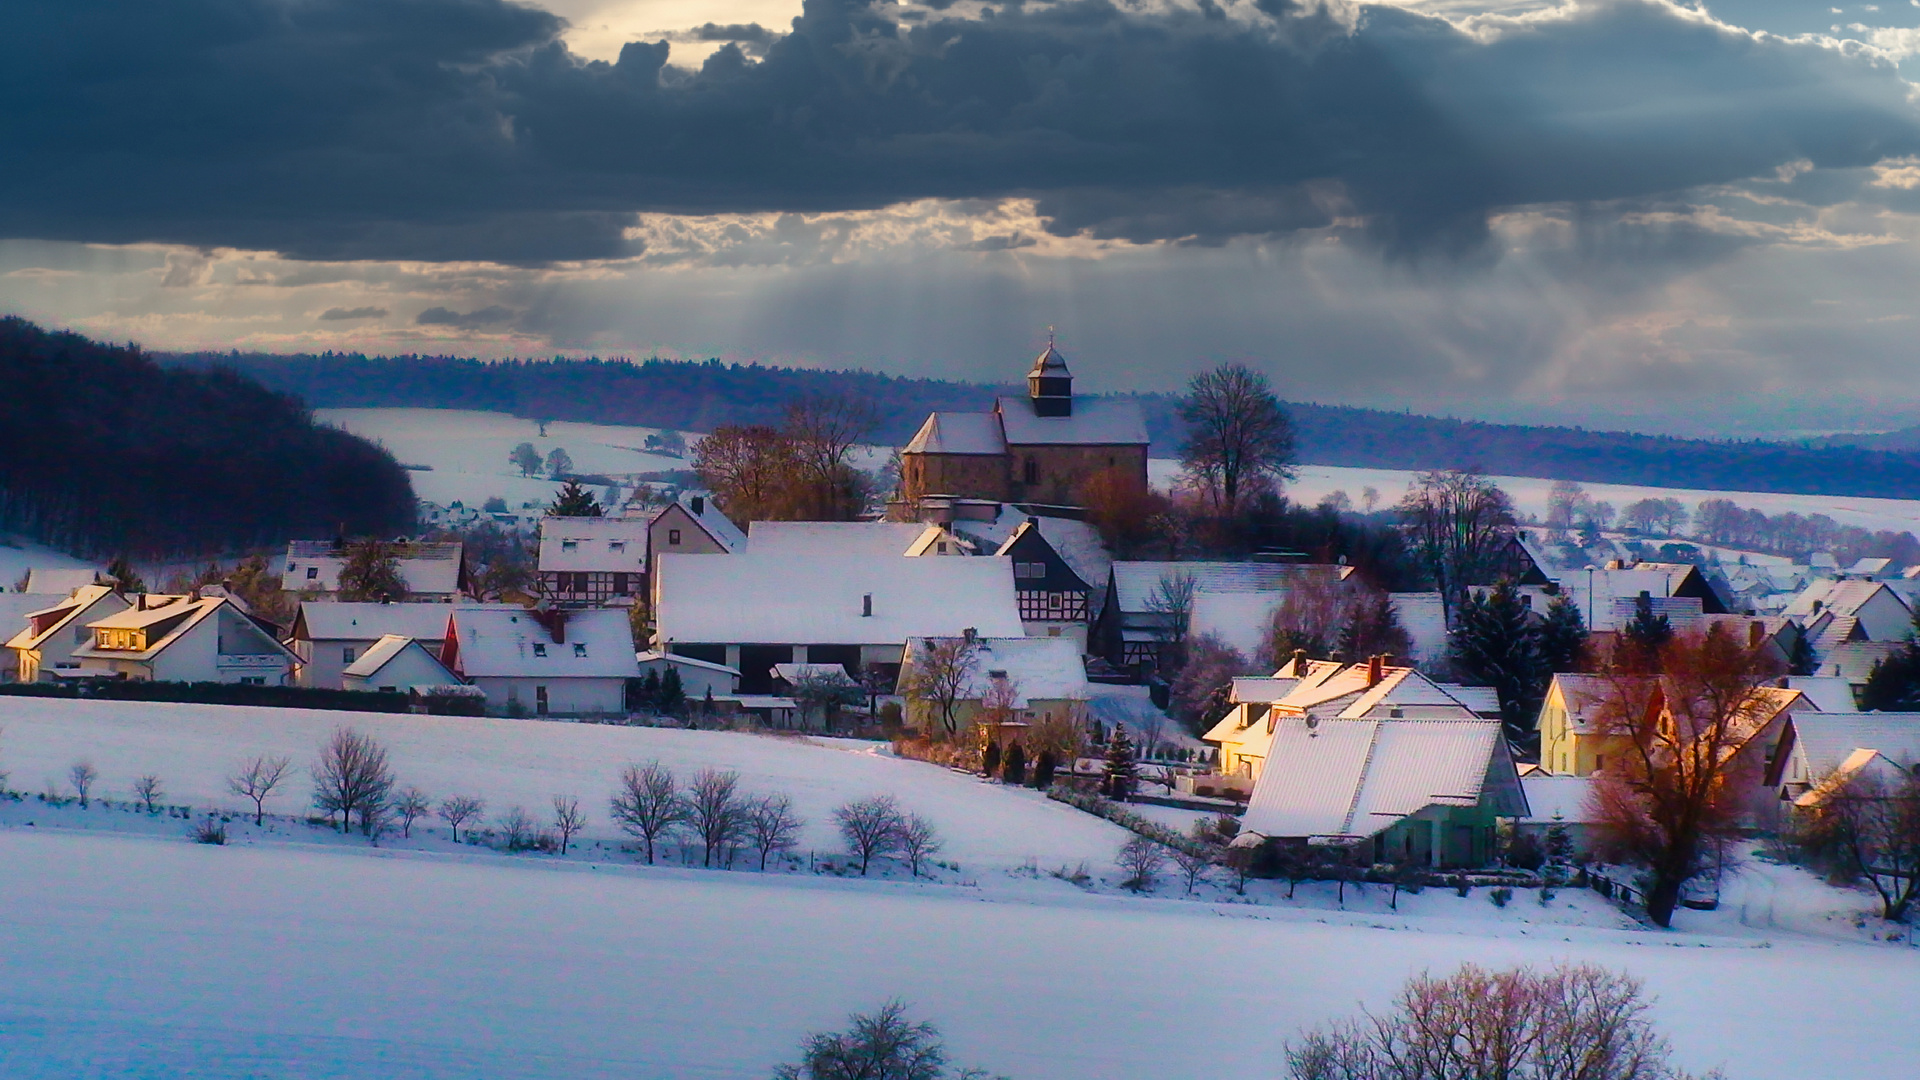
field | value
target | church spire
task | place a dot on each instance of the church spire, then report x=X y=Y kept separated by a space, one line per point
x=1049 y=383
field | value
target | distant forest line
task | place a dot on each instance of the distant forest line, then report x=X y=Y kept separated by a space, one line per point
x=104 y=452
x=698 y=396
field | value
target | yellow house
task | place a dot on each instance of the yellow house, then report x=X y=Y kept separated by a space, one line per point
x=1572 y=742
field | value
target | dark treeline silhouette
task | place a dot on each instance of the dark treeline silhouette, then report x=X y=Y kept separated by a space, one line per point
x=106 y=452
x=698 y=396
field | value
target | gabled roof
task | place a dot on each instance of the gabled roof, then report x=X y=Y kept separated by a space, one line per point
x=1827 y=694
x=340 y=620
x=932 y=536
x=1826 y=740
x=652 y=655
x=388 y=649
x=1357 y=778
x=873 y=539
x=498 y=642
x=1424 y=617
x=1854 y=660
x=43 y=579
x=1095 y=422
x=1842 y=597
x=57 y=616
x=716 y=524
x=175 y=616
x=1077 y=542
x=821 y=599
x=1557 y=797
x=958 y=433
x=1831 y=630
x=593 y=543
x=427 y=567
x=1135 y=582
x=1261 y=688
x=1040 y=668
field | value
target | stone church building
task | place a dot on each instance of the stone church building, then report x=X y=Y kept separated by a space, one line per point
x=1042 y=448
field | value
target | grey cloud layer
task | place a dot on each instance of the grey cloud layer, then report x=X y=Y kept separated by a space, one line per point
x=462 y=129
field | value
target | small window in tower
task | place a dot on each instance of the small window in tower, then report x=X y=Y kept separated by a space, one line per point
x=1032 y=471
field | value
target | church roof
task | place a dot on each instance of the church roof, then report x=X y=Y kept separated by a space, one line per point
x=1095 y=422
x=958 y=433
x=1050 y=364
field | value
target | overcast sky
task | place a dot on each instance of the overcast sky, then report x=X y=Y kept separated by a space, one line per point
x=1701 y=219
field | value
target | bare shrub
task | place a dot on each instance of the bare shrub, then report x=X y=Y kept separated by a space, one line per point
x=716 y=811
x=1193 y=862
x=409 y=806
x=871 y=827
x=1574 y=1022
x=209 y=831
x=885 y=1045
x=1141 y=860
x=352 y=777
x=457 y=810
x=517 y=830
x=148 y=790
x=919 y=841
x=567 y=819
x=82 y=776
x=647 y=805
x=773 y=826
x=257 y=779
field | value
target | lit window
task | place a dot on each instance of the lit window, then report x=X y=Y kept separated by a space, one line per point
x=539 y=650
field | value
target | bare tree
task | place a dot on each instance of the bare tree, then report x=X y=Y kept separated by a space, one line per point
x=822 y=431
x=1194 y=860
x=1671 y=796
x=773 y=826
x=410 y=805
x=149 y=791
x=1458 y=524
x=1239 y=438
x=716 y=812
x=457 y=810
x=647 y=804
x=1574 y=1022
x=871 y=827
x=257 y=779
x=82 y=776
x=1171 y=605
x=919 y=841
x=517 y=830
x=353 y=777
x=940 y=674
x=567 y=819
x=1141 y=860
x=1867 y=826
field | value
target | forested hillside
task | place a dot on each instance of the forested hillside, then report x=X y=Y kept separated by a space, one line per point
x=698 y=396
x=106 y=452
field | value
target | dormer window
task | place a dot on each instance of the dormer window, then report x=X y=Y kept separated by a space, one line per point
x=312 y=572
x=579 y=648
x=569 y=545
x=539 y=649
x=617 y=546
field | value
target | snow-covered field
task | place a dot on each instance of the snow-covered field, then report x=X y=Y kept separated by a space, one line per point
x=1530 y=495
x=18 y=556
x=468 y=450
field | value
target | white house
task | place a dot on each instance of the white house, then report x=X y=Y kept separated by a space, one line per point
x=44 y=649
x=431 y=570
x=330 y=635
x=15 y=608
x=182 y=639
x=1820 y=750
x=753 y=611
x=543 y=663
x=396 y=664
x=593 y=561
x=1839 y=611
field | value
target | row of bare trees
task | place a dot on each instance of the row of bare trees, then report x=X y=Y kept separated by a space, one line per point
x=711 y=810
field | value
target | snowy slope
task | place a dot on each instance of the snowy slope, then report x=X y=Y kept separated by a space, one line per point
x=17 y=556
x=192 y=748
x=160 y=959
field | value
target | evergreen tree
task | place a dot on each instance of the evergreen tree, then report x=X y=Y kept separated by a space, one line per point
x=123 y=578
x=1800 y=659
x=1495 y=643
x=990 y=758
x=650 y=692
x=1015 y=771
x=1645 y=636
x=575 y=501
x=1044 y=765
x=1373 y=629
x=1894 y=683
x=371 y=574
x=1563 y=637
x=1122 y=772
x=673 y=696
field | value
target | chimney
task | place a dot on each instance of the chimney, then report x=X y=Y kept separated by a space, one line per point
x=699 y=504
x=555 y=622
x=1374 y=673
x=1299 y=663
x=866 y=606
x=1756 y=633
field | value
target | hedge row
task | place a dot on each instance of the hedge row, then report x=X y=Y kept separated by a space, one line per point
x=211 y=693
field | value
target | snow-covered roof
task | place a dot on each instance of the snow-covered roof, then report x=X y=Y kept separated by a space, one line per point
x=700 y=507
x=1424 y=617
x=798 y=673
x=1402 y=691
x=177 y=615
x=1869 y=567
x=1040 y=668
x=1078 y=543
x=55 y=616
x=651 y=656
x=1356 y=778
x=605 y=544
x=1828 y=694
x=1260 y=688
x=939 y=540
x=1825 y=740
x=824 y=599
x=1842 y=597
x=1561 y=797
x=1095 y=422
x=1238 y=619
x=429 y=568
x=1483 y=700
x=385 y=651
x=43 y=580
x=958 y=433
x=1854 y=660
x=1135 y=582
x=501 y=642
x=15 y=607
x=870 y=539
x=339 y=620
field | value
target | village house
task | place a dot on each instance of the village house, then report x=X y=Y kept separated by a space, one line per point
x=431 y=570
x=1563 y=801
x=329 y=636
x=1424 y=792
x=753 y=611
x=1035 y=679
x=1135 y=621
x=1042 y=448
x=1838 y=613
x=397 y=665
x=699 y=679
x=15 y=608
x=1820 y=752
x=44 y=650
x=185 y=639
x=543 y=663
x=593 y=561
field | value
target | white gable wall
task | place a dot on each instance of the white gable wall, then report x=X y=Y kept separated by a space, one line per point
x=409 y=667
x=520 y=696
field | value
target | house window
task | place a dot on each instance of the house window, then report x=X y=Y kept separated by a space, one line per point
x=312 y=572
x=540 y=650
x=346 y=655
x=253 y=680
x=579 y=648
x=540 y=700
x=1032 y=471
x=617 y=546
x=1599 y=762
x=569 y=545
x=673 y=536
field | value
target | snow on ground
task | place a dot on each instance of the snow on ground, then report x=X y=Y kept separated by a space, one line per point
x=162 y=959
x=468 y=450
x=18 y=556
x=1530 y=495
x=193 y=748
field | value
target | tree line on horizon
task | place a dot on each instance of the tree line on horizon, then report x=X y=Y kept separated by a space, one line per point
x=110 y=454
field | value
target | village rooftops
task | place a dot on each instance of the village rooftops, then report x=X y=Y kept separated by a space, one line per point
x=377 y=655
x=157 y=621
x=428 y=568
x=1038 y=668
x=716 y=524
x=47 y=621
x=842 y=599
x=873 y=539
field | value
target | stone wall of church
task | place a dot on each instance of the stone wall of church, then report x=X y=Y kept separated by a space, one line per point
x=1055 y=474
x=971 y=476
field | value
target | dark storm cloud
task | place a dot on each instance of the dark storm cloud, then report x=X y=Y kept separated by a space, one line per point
x=471 y=320
x=352 y=314
x=461 y=129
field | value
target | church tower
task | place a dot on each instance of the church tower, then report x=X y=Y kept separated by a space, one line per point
x=1050 y=384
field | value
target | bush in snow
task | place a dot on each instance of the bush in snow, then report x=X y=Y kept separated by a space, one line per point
x=519 y=833
x=457 y=810
x=1574 y=1022
x=410 y=805
x=871 y=827
x=1500 y=896
x=883 y=1046
x=210 y=831
x=1141 y=860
